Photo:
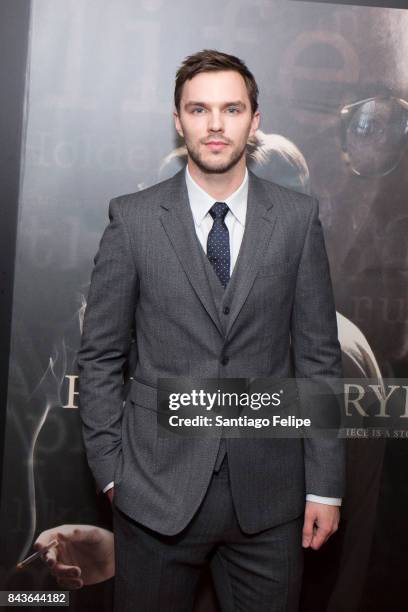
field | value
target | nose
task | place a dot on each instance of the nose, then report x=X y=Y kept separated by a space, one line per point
x=215 y=123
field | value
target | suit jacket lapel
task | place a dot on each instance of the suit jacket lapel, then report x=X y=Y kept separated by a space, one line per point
x=260 y=221
x=178 y=223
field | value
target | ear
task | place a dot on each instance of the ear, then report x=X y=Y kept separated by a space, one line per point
x=254 y=124
x=177 y=123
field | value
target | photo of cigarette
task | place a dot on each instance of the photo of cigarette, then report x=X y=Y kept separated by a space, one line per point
x=36 y=555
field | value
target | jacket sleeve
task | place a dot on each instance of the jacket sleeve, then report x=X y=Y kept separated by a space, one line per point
x=105 y=344
x=317 y=358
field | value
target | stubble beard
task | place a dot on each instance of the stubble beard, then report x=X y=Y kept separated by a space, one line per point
x=209 y=168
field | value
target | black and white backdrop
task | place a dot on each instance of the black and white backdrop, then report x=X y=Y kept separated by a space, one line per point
x=98 y=123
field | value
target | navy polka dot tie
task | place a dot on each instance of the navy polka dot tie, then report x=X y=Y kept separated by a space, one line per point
x=218 y=248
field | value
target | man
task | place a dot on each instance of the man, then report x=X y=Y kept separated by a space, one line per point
x=218 y=274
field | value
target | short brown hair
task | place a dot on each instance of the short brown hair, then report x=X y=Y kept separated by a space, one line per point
x=209 y=60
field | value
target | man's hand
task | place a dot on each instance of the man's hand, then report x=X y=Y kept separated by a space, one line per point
x=321 y=521
x=84 y=554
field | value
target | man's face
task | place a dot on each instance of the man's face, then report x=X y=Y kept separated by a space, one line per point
x=215 y=120
x=362 y=54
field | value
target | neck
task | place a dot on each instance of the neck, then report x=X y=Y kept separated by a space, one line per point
x=219 y=186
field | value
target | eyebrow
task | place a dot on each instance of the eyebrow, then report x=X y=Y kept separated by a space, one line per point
x=340 y=94
x=237 y=103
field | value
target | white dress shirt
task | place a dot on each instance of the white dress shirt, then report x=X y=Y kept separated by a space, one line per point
x=201 y=203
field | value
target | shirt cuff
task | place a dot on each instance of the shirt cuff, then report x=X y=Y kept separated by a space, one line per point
x=330 y=501
x=108 y=486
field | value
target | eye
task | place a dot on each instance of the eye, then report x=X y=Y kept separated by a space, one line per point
x=232 y=110
x=198 y=110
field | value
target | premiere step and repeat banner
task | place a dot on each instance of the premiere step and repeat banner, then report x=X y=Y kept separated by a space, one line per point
x=98 y=123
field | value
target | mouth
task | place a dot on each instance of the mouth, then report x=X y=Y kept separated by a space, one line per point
x=216 y=145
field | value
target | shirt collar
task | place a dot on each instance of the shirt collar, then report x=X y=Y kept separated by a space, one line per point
x=201 y=201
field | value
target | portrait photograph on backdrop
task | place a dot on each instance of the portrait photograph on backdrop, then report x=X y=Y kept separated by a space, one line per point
x=327 y=137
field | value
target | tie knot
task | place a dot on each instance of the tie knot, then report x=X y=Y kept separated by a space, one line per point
x=219 y=210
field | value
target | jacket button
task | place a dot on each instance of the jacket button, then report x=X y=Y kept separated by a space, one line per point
x=224 y=360
x=226 y=310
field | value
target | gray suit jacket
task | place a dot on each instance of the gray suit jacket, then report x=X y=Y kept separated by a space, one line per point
x=150 y=279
